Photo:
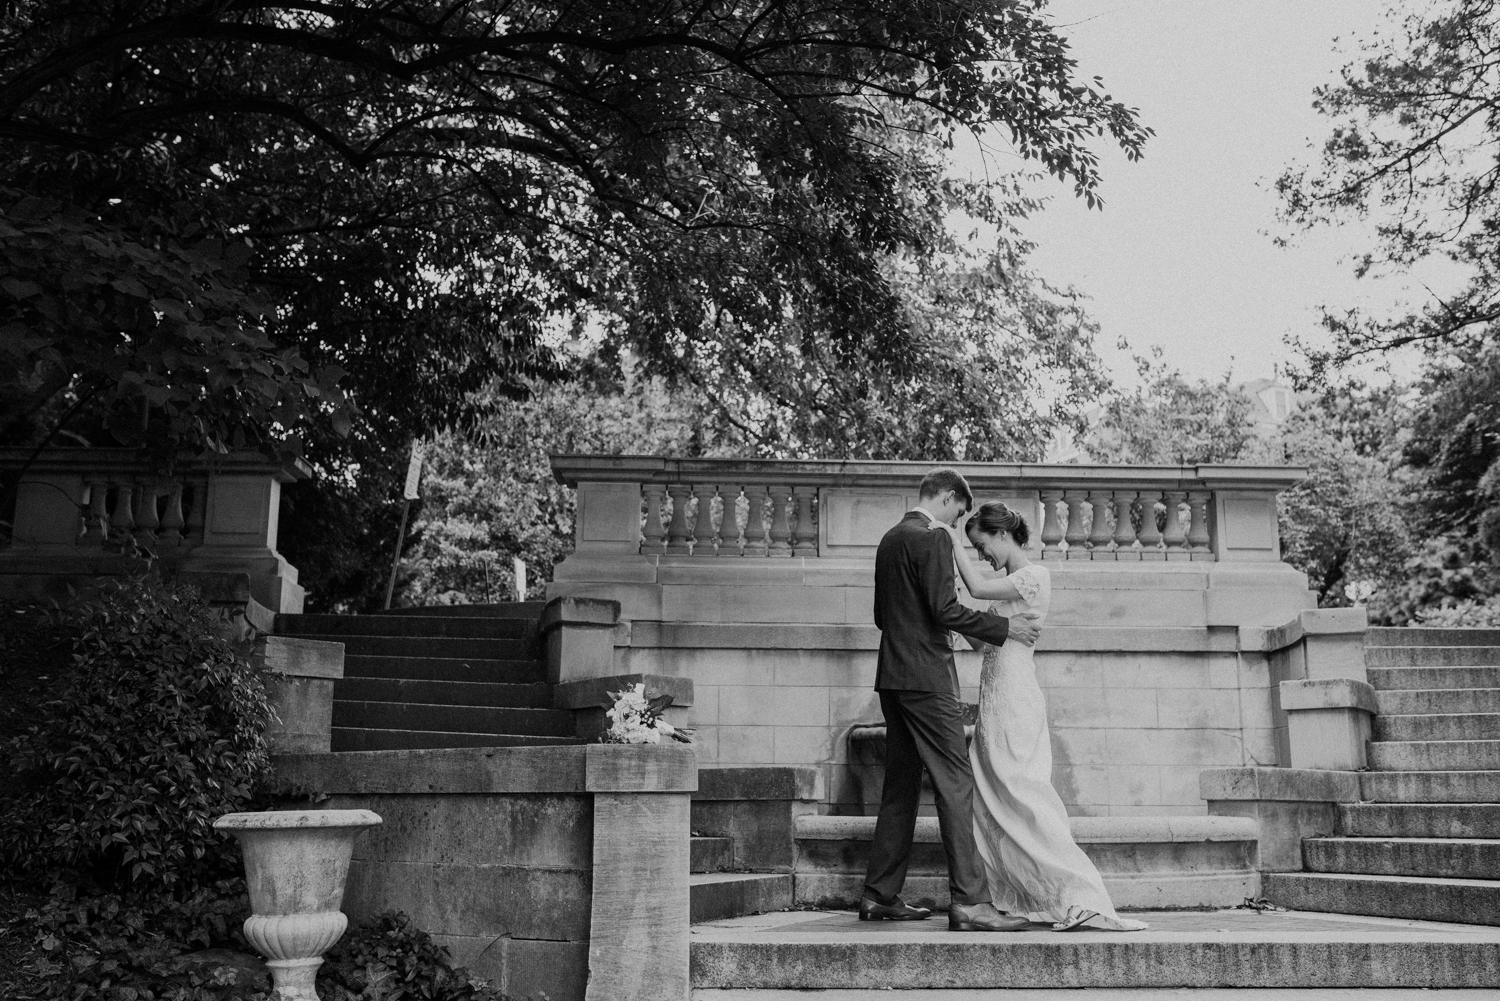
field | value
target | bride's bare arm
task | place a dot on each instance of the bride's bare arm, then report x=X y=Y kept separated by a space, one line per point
x=981 y=587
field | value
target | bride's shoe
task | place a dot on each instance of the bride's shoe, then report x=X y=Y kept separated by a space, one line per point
x=1076 y=917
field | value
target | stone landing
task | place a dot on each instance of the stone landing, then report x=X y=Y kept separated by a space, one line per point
x=822 y=950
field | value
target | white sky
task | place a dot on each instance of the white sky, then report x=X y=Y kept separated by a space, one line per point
x=1181 y=255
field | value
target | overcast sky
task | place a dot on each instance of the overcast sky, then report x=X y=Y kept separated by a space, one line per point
x=1181 y=255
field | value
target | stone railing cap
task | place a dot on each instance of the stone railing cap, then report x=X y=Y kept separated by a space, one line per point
x=588 y=693
x=1312 y=622
x=125 y=461
x=574 y=611
x=271 y=820
x=1330 y=693
x=573 y=768
x=1295 y=785
x=571 y=469
x=302 y=658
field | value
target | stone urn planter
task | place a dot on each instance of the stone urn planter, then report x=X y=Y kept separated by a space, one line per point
x=296 y=862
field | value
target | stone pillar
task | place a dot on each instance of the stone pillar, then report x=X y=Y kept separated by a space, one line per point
x=579 y=637
x=1328 y=722
x=301 y=691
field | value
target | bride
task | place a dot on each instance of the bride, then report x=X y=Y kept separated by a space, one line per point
x=1033 y=865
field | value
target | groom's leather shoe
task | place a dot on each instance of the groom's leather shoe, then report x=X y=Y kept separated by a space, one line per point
x=982 y=917
x=872 y=910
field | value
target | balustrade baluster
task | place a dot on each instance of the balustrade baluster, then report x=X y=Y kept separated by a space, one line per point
x=1173 y=537
x=781 y=529
x=677 y=532
x=146 y=521
x=755 y=524
x=654 y=537
x=1052 y=531
x=1198 y=530
x=1150 y=535
x=122 y=521
x=805 y=535
x=729 y=523
x=1124 y=538
x=96 y=522
x=1077 y=536
x=172 y=521
x=703 y=523
x=1099 y=534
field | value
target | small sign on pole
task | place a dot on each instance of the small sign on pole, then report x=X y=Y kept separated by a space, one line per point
x=520 y=566
x=413 y=480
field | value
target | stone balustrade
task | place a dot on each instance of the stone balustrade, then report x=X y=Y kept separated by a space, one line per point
x=88 y=512
x=741 y=509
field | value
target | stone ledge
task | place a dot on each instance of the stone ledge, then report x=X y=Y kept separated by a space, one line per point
x=593 y=693
x=1086 y=830
x=587 y=612
x=1332 y=693
x=580 y=768
x=1294 y=785
x=1313 y=622
x=301 y=658
x=760 y=782
x=651 y=634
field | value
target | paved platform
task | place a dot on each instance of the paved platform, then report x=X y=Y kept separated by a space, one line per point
x=1113 y=994
x=834 y=951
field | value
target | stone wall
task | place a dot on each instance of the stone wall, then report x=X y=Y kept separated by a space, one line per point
x=556 y=871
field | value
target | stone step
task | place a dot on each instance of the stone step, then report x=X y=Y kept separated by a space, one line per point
x=1432 y=656
x=1436 y=727
x=365 y=739
x=457 y=719
x=1430 y=787
x=500 y=610
x=447 y=693
x=821 y=951
x=1407 y=678
x=1148 y=862
x=435 y=646
x=1377 y=636
x=1463 y=901
x=712 y=854
x=339 y=626
x=715 y=896
x=1439 y=700
x=1434 y=755
x=1420 y=820
x=1447 y=858
x=1109 y=994
x=506 y=672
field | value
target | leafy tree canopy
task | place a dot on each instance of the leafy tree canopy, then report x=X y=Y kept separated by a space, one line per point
x=1415 y=148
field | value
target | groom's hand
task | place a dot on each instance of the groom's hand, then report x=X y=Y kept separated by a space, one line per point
x=1023 y=628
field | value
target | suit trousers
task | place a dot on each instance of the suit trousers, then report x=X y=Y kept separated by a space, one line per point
x=925 y=729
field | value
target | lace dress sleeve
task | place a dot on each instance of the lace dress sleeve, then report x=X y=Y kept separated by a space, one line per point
x=1029 y=582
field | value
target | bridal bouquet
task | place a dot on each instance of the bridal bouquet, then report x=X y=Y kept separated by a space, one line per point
x=635 y=719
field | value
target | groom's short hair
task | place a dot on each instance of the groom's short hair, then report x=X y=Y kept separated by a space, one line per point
x=940 y=481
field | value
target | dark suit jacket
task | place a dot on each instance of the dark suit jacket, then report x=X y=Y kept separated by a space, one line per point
x=915 y=607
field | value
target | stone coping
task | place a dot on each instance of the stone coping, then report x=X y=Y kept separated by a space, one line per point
x=1313 y=622
x=1086 y=830
x=593 y=693
x=760 y=782
x=573 y=468
x=577 y=768
x=283 y=820
x=653 y=634
x=1291 y=785
x=302 y=658
x=1330 y=693
x=570 y=610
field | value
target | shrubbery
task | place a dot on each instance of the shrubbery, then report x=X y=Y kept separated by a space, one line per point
x=157 y=728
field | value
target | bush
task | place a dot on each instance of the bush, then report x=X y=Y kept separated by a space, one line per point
x=388 y=960
x=158 y=728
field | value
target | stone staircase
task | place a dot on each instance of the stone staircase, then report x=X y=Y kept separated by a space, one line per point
x=446 y=676
x=1425 y=843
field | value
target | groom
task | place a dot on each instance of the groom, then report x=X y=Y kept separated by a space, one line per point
x=915 y=607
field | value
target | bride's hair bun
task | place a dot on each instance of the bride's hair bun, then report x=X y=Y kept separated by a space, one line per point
x=993 y=517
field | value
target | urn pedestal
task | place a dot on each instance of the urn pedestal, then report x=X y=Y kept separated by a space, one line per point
x=296 y=863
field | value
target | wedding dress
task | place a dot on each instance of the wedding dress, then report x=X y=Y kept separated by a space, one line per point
x=1033 y=865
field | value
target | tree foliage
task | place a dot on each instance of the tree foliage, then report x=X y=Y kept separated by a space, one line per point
x=1415 y=148
x=1170 y=419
